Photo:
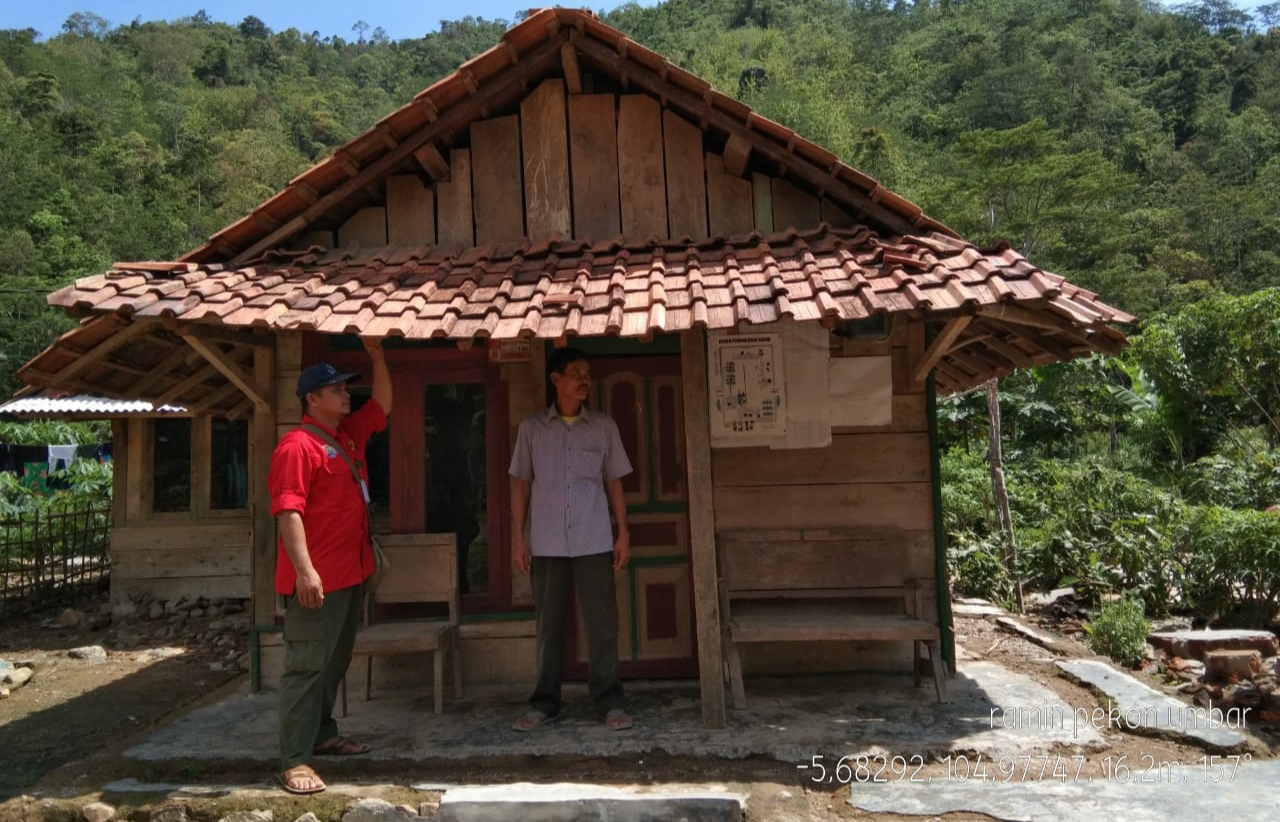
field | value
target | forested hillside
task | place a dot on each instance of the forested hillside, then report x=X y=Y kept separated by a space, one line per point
x=1135 y=150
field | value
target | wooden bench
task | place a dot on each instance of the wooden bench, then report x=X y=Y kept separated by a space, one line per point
x=423 y=568
x=820 y=585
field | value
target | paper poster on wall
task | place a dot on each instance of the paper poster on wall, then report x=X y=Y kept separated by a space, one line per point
x=748 y=387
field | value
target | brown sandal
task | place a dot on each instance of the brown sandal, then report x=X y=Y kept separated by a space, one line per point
x=291 y=779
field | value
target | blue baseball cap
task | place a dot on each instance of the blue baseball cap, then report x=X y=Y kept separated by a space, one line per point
x=318 y=376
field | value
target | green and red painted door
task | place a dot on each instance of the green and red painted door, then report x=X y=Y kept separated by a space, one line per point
x=656 y=632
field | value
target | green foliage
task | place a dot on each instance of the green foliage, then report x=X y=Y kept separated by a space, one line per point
x=55 y=432
x=1120 y=631
x=1233 y=565
x=1099 y=529
x=978 y=568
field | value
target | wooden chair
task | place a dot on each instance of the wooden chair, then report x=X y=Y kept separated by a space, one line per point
x=423 y=568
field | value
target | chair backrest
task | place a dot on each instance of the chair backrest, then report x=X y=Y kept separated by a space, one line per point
x=423 y=568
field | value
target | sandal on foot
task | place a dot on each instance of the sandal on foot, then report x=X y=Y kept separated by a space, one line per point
x=618 y=720
x=340 y=746
x=293 y=779
x=531 y=720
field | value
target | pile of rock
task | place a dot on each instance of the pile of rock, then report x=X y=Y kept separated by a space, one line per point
x=13 y=675
x=1225 y=669
x=218 y=627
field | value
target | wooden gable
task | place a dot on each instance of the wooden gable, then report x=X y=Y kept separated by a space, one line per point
x=580 y=166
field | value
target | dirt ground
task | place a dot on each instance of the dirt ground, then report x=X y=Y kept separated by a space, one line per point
x=62 y=735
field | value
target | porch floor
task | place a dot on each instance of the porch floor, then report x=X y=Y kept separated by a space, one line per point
x=992 y=710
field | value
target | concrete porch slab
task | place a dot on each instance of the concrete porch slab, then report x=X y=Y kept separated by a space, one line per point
x=993 y=711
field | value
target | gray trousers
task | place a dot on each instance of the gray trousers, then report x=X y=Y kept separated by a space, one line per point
x=317 y=651
x=592 y=578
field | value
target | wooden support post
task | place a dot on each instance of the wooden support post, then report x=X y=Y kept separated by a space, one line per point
x=939 y=348
x=702 y=526
x=262 y=441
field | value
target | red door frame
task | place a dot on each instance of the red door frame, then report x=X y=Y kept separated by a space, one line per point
x=411 y=370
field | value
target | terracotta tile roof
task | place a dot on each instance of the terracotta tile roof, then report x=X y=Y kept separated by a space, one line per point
x=566 y=288
x=493 y=79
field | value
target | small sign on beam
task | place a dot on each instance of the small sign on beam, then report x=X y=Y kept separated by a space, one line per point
x=509 y=351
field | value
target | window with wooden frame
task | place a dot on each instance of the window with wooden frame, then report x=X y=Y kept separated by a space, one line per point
x=198 y=466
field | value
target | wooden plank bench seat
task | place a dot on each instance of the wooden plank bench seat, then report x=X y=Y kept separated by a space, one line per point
x=820 y=586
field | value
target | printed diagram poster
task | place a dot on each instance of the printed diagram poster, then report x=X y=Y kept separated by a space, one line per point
x=748 y=387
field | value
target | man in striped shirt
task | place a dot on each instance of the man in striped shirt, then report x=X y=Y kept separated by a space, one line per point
x=566 y=472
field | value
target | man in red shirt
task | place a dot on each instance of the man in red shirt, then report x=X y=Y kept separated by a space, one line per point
x=324 y=556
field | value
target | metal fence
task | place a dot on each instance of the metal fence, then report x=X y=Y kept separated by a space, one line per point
x=53 y=555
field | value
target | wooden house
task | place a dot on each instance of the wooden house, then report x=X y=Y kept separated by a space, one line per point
x=769 y=327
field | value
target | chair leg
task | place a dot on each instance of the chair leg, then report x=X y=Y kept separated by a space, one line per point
x=457 y=668
x=917 y=659
x=939 y=671
x=368 y=676
x=437 y=681
x=735 y=676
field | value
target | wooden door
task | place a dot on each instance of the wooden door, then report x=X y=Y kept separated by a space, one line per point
x=656 y=632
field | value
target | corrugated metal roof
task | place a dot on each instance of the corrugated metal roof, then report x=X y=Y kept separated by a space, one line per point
x=82 y=404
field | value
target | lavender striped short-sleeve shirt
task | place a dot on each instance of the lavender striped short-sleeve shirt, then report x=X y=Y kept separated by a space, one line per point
x=567 y=465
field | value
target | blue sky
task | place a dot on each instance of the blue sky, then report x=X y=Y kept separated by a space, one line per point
x=400 y=18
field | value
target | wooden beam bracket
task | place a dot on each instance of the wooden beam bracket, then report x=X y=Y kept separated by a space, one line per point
x=229 y=369
x=935 y=352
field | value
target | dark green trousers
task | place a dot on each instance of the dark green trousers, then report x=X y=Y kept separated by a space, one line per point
x=317 y=651
x=592 y=578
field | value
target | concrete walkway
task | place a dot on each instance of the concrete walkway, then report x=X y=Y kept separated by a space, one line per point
x=1194 y=793
x=789 y=720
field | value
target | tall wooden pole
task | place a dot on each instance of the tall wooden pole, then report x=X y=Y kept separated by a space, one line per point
x=999 y=493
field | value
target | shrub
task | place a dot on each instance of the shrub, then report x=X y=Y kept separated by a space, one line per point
x=1120 y=631
x=977 y=568
x=1102 y=531
x=1248 y=482
x=1232 y=565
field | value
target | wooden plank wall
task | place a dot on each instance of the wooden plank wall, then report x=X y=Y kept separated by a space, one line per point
x=873 y=478
x=209 y=558
x=583 y=165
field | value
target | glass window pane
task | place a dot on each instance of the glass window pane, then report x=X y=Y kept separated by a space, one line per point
x=456 y=485
x=229 y=483
x=171 y=464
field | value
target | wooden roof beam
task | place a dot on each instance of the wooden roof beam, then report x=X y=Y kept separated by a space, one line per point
x=737 y=151
x=229 y=368
x=1023 y=316
x=819 y=179
x=934 y=354
x=572 y=71
x=216 y=397
x=101 y=350
x=161 y=370
x=454 y=118
x=175 y=392
x=227 y=334
x=432 y=162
